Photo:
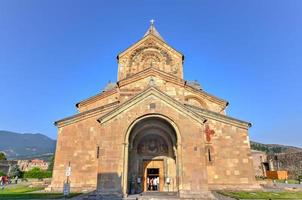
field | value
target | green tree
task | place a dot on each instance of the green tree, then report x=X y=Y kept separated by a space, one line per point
x=51 y=163
x=37 y=173
x=2 y=156
x=2 y=173
x=14 y=171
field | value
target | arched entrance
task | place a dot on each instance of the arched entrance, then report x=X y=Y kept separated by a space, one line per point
x=152 y=156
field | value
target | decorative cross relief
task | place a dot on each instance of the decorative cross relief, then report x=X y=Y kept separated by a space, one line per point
x=151 y=81
x=209 y=133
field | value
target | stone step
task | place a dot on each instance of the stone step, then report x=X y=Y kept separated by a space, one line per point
x=174 y=194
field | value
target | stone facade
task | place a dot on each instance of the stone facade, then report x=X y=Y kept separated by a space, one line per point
x=151 y=118
x=261 y=164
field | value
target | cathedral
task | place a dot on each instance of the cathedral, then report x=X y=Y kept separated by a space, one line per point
x=153 y=131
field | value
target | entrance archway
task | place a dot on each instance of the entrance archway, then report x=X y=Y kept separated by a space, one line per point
x=152 y=152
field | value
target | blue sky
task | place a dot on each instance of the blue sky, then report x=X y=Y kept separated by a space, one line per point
x=55 y=53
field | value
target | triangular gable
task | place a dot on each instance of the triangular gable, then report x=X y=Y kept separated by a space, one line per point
x=142 y=40
x=219 y=117
x=168 y=77
x=151 y=91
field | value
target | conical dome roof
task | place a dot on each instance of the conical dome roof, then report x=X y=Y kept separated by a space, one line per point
x=152 y=30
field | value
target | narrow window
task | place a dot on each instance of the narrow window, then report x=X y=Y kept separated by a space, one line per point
x=98 y=152
x=209 y=155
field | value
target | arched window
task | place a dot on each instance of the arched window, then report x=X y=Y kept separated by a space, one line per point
x=195 y=101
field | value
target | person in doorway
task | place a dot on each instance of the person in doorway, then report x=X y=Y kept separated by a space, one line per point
x=148 y=183
x=155 y=183
x=151 y=183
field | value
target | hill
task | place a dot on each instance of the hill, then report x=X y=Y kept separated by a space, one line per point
x=26 y=145
x=274 y=148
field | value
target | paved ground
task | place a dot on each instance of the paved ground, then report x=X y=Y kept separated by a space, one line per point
x=221 y=197
x=135 y=197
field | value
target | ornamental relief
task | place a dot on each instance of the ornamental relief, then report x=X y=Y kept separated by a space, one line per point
x=209 y=133
x=150 y=55
x=152 y=146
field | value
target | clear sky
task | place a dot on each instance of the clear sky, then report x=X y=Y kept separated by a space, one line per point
x=55 y=53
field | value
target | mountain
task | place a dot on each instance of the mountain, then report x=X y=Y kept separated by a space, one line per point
x=26 y=145
x=274 y=148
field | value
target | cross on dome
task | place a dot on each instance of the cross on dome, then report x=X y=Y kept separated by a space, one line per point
x=152 y=22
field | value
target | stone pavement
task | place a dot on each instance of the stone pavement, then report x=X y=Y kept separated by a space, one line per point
x=154 y=196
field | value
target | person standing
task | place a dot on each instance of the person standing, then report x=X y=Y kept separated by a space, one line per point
x=151 y=184
x=155 y=183
x=148 y=183
x=2 y=182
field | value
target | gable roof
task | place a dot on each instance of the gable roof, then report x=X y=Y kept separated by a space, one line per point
x=219 y=117
x=86 y=114
x=151 y=71
x=151 y=91
x=154 y=34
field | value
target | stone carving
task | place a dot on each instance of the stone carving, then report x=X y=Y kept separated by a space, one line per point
x=150 y=55
x=152 y=146
x=151 y=81
x=209 y=133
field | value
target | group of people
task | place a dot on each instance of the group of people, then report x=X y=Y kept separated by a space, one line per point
x=3 y=181
x=153 y=183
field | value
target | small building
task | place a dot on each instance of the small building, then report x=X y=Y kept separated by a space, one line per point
x=26 y=165
x=260 y=162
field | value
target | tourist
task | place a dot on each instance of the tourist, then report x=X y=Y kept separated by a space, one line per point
x=16 y=179
x=151 y=183
x=2 y=182
x=155 y=183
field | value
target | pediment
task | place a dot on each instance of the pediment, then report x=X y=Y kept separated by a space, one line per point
x=153 y=72
x=150 y=51
x=156 y=94
x=147 y=39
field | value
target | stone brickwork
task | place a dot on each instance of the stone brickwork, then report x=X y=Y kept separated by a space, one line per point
x=260 y=163
x=291 y=162
x=196 y=146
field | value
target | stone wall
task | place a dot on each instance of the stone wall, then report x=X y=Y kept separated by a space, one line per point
x=5 y=165
x=291 y=162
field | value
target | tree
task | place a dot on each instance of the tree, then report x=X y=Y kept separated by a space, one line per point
x=14 y=171
x=2 y=173
x=2 y=156
x=51 y=163
x=37 y=173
